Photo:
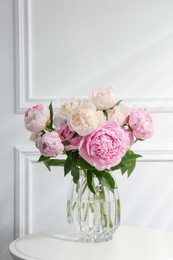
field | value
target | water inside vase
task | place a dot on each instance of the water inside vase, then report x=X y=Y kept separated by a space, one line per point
x=97 y=219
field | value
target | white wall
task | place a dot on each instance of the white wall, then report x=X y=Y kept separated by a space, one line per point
x=7 y=128
x=66 y=48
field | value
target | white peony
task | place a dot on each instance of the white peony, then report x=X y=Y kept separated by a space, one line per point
x=103 y=99
x=119 y=114
x=59 y=119
x=68 y=106
x=85 y=119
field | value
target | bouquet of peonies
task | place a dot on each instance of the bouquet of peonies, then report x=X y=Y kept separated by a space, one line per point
x=96 y=135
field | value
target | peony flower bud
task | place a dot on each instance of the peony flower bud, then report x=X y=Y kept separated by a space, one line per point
x=50 y=144
x=141 y=123
x=36 y=118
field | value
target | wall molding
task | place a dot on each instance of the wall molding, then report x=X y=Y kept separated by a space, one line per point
x=25 y=156
x=23 y=95
x=22 y=55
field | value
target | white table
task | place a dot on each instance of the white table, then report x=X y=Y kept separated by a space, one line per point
x=129 y=243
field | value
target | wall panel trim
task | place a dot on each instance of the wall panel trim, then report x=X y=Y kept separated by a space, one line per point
x=23 y=95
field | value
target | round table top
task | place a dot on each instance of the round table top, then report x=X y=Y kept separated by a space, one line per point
x=128 y=243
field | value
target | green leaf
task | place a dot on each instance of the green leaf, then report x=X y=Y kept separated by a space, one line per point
x=42 y=133
x=117 y=104
x=68 y=153
x=43 y=158
x=51 y=114
x=75 y=174
x=56 y=162
x=127 y=158
x=133 y=156
x=90 y=182
x=106 y=114
x=65 y=143
x=139 y=139
x=48 y=128
x=127 y=163
x=47 y=165
x=84 y=164
x=75 y=135
x=117 y=167
x=68 y=166
x=74 y=155
x=105 y=179
x=130 y=155
x=51 y=162
x=124 y=168
x=131 y=167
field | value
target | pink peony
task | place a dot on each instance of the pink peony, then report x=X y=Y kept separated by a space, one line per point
x=104 y=147
x=67 y=135
x=141 y=123
x=36 y=118
x=129 y=137
x=50 y=144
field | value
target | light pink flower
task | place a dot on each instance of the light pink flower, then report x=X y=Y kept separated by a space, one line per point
x=103 y=98
x=35 y=136
x=36 y=118
x=59 y=119
x=141 y=123
x=67 y=135
x=104 y=147
x=129 y=137
x=50 y=144
x=119 y=114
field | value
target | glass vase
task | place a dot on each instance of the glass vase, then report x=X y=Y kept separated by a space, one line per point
x=93 y=217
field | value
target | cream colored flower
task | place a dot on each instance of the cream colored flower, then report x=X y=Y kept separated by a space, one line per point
x=35 y=136
x=65 y=110
x=119 y=114
x=85 y=119
x=68 y=106
x=103 y=98
x=60 y=119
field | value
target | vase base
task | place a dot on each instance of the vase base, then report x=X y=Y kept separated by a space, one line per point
x=94 y=238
